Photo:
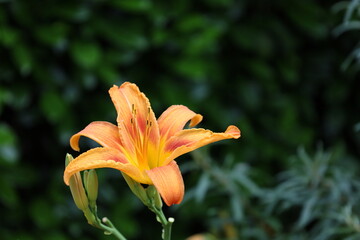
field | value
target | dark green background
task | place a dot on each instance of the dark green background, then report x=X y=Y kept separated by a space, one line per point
x=272 y=68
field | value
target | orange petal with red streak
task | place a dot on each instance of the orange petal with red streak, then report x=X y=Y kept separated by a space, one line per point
x=133 y=107
x=174 y=119
x=190 y=139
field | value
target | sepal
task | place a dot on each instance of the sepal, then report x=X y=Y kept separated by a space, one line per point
x=137 y=189
x=154 y=197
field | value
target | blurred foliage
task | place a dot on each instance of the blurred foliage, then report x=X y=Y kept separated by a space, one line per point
x=350 y=22
x=270 y=67
x=315 y=197
x=321 y=191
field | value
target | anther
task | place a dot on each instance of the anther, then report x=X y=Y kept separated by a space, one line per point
x=133 y=109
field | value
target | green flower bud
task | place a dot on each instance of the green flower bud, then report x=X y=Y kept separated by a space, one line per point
x=78 y=191
x=91 y=185
x=68 y=159
x=154 y=197
x=82 y=197
x=137 y=189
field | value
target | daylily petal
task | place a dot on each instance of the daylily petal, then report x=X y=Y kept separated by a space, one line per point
x=169 y=182
x=136 y=120
x=174 y=119
x=104 y=133
x=191 y=139
x=104 y=158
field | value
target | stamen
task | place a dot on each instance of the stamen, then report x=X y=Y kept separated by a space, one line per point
x=137 y=138
x=141 y=137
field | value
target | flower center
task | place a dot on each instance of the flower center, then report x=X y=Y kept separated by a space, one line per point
x=140 y=130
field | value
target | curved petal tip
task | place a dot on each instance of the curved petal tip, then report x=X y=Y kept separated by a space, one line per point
x=233 y=131
x=195 y=120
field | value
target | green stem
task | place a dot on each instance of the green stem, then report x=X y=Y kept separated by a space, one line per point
x=110 y=229
x=167 y=229
x=166 y=223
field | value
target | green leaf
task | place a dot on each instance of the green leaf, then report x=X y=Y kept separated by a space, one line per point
x=307 y=213
x=236 y=205
x=42 y=213
x=53 y=106
x=8 y=36
x=8 y=145
x=202 y=187
x=86 y=54
x=53 y=34
x=8 y=194
x=133 y=5
x=23 y=58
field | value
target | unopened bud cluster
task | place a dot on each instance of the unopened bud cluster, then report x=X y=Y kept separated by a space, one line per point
x=149 y=196
x=84 y=192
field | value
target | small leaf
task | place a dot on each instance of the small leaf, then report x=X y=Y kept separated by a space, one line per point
x=23 y=58
x=236 y=207
x=307 y=212
x=8 y=145
x=202 y=187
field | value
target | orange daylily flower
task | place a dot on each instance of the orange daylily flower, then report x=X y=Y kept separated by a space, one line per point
x=141 y=146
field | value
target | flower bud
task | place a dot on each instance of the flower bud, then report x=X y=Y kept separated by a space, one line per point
x=91 y=186
x=82 y=197
x=76 y=187
x=154 y=196
x=78 y=191
x=68 y=159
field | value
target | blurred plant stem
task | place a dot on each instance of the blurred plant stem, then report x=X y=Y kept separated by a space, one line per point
x=166 y=223
x=110 y=229
x=154 y=203
x=151 y=198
